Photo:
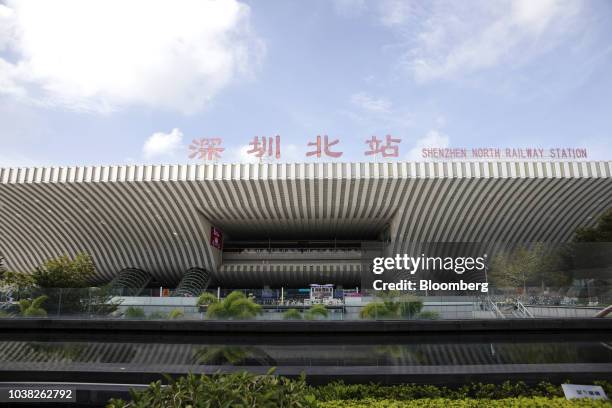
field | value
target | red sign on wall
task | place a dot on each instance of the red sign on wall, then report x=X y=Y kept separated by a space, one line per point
x=216 y=238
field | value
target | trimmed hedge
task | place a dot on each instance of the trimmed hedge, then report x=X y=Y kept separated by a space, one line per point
x=243 y=389
x=340 y=391
x=530 y=402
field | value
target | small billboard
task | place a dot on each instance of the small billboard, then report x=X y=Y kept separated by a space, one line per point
x=216 y=238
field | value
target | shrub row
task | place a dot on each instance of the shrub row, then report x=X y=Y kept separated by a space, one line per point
x=248 y=390
x=340 y=391
x=528 y=402
x=233 y=390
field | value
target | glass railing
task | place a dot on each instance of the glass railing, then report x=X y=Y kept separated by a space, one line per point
x=294 y=304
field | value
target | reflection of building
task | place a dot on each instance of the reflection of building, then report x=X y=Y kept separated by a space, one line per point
x=285 y=224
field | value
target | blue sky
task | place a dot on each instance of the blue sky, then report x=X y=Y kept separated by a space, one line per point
x=112 y=82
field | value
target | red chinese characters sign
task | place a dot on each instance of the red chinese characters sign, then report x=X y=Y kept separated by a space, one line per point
x=216 y=238
x=390 y=147
x=207 y=149
x=268 y=146
x=322 y=147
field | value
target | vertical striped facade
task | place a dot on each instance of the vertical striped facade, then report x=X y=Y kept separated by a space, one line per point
x=158 y=218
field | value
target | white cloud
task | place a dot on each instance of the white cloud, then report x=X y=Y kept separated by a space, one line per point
x=433 y=138
x=371 y=104
x=395 y=12
x=162 y=144
x=377 y=114
x=240 y=155
x=102 y=55
x=446 y=40
x=8 y=86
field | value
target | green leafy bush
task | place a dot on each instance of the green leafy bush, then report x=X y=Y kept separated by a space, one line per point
x=392 y=306
x=229 y=390
x=33 y=308
x=65 y=272
x=409 y=306
x=133 y=312
x=522 y=402
x=243 y=389
x=17 y=281
x=176 y=314
x=4 y=314
x=235 y=306
x=316 y=311
x=376 y=310
x=429 y=315
x=602 y=232
x=206 y=299
x=292 y=314
x=340 y=391
x=65 y=281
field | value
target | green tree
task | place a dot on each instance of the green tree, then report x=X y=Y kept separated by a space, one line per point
x=528 y=266
x=65 y=272
x=21 y=284
x=62 y=279
x=33 y=308
x=176 y=314
x=602 y=232
x=66 y=281
x=17 y=280
x=235 y=306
